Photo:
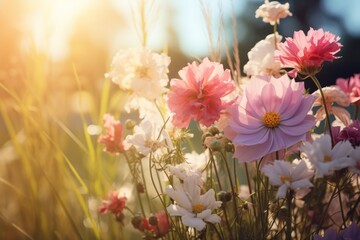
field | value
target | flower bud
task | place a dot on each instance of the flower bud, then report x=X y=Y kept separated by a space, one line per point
x=130 y=124
x=140 y=188
x=224 y=196
x=136 y=221
x=153 y=220
x=213 y=131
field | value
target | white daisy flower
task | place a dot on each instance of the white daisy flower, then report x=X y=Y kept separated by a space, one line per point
x=148 y=137
x=286 y=175
x=324 y=158
x=195 y=209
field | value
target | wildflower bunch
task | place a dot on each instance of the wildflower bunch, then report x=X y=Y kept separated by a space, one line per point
x=273 y=165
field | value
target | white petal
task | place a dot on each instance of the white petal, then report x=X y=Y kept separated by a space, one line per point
x=197 y=223
x=213 y=218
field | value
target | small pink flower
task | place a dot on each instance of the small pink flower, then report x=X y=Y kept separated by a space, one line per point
x=113 y=138
x=306 y=53
x=332 y=95
x=351 y=87
x=199 y=94
x=271 y=115
x=114 y=204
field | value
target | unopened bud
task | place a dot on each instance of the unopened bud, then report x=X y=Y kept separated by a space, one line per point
x=136 y=221
x=153 y=220
x=140 y=188
x=130 y=124
x=214 y=131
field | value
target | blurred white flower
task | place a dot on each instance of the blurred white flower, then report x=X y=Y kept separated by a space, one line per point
x=325 y=159
x=332 y=94
x=140 y=72
x=194 y=164
x=148 y=137
x=271 y=12
x=194 y=208
x=261 y=57
x=288 y=175
x=355 y=156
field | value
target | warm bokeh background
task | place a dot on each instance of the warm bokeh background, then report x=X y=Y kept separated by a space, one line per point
x=53 y=56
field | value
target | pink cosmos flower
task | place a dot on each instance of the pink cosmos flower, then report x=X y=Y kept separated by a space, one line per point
x=271 y=115
x=332 y=95
x=113 y=138
x=351 y=87
x=306 y=53
x=199 y=94
x=114 y=204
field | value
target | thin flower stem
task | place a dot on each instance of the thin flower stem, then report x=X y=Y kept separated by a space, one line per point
x=340 y=201
x=275 y=31
x=234 y=195
x=145 y=185
x=133 y=177
x=326 y=209
x=289 y=220
x=251 y=192
x=356 y=112
x=318 y=85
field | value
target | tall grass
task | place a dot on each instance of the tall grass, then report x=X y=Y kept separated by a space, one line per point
x=56 y=168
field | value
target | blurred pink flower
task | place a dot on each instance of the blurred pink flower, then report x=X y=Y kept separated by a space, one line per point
x=351 y=87
x=199 y=94
x=332 y=95
x=306 y=53
x=113 y=138
x=271 y=115
x=114 y=204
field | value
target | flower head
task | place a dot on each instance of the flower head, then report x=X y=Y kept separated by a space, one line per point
x=351 y=87
x=194 y=208
x=271 y=12
x=148 y=137
x=324 y=158
x=306 y=53
x=261 y=58
x=137 y=70
x=349 y=133
x=113 y=138
x=270 y=116
x=199 y=94
x=288 y=175
x=332 y=95
x=114 y=204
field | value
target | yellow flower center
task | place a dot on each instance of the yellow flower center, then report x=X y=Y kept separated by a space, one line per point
x=285 y=179
x=327 y=158
x=141 y=71
x=198 y=208
x=271 y=119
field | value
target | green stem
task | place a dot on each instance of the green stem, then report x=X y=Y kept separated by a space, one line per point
x=318 y=85
x=133 y=177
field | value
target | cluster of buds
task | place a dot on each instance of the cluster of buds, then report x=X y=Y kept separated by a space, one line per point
x=215 y=141
x=156 y=226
